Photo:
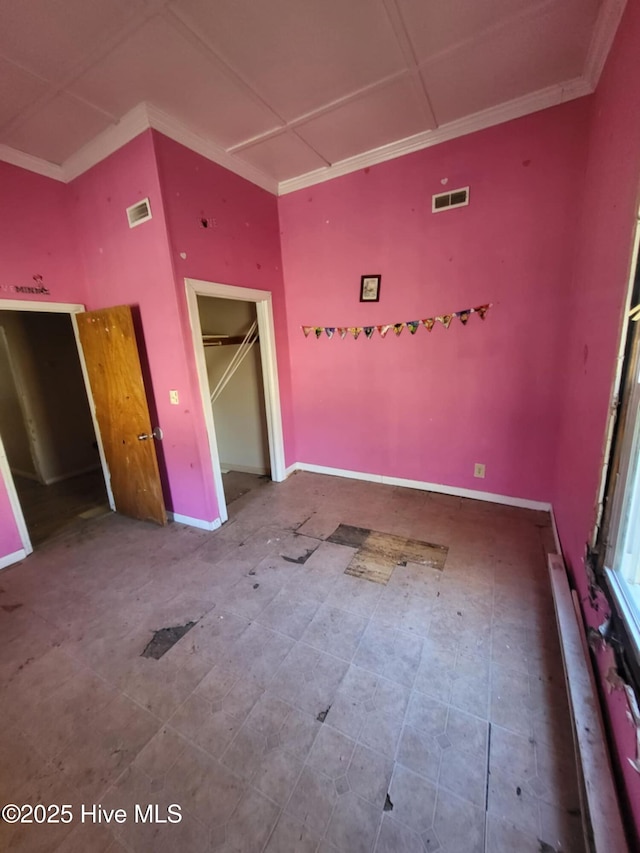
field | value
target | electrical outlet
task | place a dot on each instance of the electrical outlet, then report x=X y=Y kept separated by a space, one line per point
x=478 y=470
x=173 y=398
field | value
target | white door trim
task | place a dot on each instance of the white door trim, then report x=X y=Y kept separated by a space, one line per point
x=14 y=502
x=70 y=308
x=264 y=314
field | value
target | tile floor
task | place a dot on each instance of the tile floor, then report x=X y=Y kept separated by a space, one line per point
x=445 y=719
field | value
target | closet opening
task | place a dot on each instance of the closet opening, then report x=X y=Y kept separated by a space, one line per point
x=235 y=353
x=234 y=372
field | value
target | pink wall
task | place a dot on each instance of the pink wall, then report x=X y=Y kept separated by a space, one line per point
x=133 y=266
x=593 y=325
x=36 y=239
x=428 y=407
x=77 y=237
x=10 y=541
x=240 y=246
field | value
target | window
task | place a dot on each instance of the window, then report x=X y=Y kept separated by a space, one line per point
x=619 y=538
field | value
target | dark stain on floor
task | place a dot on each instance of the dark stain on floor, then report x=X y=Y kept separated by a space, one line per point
x=345 y=534
x=164 y=639
x=300 y=560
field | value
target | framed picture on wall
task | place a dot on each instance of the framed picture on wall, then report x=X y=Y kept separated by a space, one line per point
x=370 y=288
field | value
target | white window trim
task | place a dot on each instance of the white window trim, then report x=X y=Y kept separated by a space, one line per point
x=621 y=546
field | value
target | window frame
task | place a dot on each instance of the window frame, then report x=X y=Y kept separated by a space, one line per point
x=621 y=475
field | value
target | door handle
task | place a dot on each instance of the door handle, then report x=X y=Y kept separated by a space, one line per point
x=156 y=433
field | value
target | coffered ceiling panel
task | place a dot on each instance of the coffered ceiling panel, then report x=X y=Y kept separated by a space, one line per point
x=58 y=129
x=300 y=55
x=284 y=92
x=283 y=156
x=18 y=89
x=50 y=37
x=395 y=110
x=434 y=26
x=159 y=65
x=507 y=63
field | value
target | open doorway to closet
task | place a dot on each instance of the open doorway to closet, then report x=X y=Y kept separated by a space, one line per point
x=234 y=371
x=235 y=354
x=46 y=425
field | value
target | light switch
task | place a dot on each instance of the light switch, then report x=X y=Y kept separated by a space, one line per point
x=173 y=398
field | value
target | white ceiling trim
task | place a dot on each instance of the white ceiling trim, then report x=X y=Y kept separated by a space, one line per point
x=145 y=116
x=166 y=124
x=136 y=121
x=106 y=143
x=31 y=163
x=517 y=108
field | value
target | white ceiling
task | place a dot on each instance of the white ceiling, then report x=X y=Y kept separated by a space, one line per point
x=285 y=92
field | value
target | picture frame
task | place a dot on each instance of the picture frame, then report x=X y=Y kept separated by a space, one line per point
x=370 y=288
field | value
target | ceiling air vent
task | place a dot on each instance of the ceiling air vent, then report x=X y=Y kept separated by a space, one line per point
x=454 y=198
x=139 y=213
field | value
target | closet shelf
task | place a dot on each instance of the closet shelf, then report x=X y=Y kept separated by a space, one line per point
x=222 y=340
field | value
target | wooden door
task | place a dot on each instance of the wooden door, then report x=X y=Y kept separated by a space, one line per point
x=113 y=365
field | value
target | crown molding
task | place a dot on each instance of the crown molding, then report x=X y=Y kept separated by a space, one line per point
x=31 y=163
x=604 y=32
x=167 y=125
x=145 y=116
x=135 y=122
x=142 y=117
x=544 y=98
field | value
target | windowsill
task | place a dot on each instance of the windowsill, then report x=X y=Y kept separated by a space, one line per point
x=627 y=597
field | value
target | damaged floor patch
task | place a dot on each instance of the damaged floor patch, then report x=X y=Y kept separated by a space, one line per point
x=345 y=534
x=379 y=553
x=164 y=639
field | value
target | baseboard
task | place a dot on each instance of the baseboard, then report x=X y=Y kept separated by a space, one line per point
x=556 y=535
x=27 y=475
x=507 y=500
x=60 y=477
x=194 y=522
x=10 y=559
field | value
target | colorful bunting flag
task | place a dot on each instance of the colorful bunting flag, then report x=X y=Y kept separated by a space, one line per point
x=412 y=325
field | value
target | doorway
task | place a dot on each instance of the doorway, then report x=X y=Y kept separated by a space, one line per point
x=234 y=345
x=52 y=454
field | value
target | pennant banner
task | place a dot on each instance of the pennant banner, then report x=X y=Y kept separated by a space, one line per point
x=413 y=325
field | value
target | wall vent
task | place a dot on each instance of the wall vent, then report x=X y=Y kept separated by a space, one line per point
x=139 y=213
x=454 y=198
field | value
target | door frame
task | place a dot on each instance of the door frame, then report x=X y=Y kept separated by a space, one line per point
x=71 y=309
x=264 y=312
